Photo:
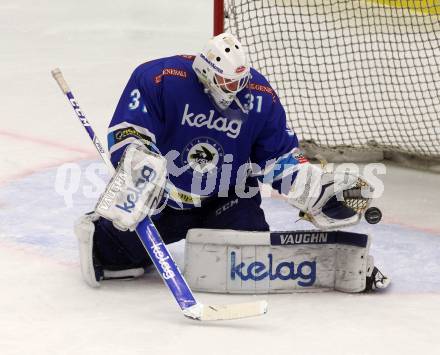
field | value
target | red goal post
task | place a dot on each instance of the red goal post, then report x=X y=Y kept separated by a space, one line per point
x=219 y=15
x=357 y=76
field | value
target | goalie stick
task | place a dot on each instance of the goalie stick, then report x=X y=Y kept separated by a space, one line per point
x=158 y=252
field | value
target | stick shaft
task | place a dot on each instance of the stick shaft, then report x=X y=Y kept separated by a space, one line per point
x=58 y=76
x=146 y=231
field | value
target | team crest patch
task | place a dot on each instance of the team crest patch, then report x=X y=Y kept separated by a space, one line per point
x=203 y=155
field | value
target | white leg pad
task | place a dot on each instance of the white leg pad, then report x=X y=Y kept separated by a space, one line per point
x=228 y=261
x=84 y=231
x=123 y=274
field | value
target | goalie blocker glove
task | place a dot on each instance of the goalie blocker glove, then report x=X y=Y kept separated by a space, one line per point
x=136 y=188
x=326 y=198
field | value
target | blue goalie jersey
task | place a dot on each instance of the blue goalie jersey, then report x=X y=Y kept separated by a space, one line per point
x=164 y=106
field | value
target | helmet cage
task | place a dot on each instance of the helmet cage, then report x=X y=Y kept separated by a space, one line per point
x=231 y=86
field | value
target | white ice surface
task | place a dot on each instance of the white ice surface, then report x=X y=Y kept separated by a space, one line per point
x=45 y=308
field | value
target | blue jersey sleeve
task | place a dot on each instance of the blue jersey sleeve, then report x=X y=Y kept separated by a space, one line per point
x=138 y=115
x=275 y=149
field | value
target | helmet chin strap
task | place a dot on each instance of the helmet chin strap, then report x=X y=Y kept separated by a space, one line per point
x=237 y=101
x=217 y=104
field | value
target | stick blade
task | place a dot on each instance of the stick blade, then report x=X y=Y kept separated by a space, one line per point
x=226 y=311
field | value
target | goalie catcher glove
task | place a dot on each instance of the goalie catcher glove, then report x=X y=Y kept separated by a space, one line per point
x=329 y=199
x=136 y=188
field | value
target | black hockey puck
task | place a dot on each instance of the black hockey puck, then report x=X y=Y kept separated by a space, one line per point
x=373 y=215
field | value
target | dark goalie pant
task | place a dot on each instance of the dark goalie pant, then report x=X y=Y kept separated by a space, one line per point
x=116 y=250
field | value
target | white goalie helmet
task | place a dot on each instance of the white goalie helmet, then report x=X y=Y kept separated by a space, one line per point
x=224 y=70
